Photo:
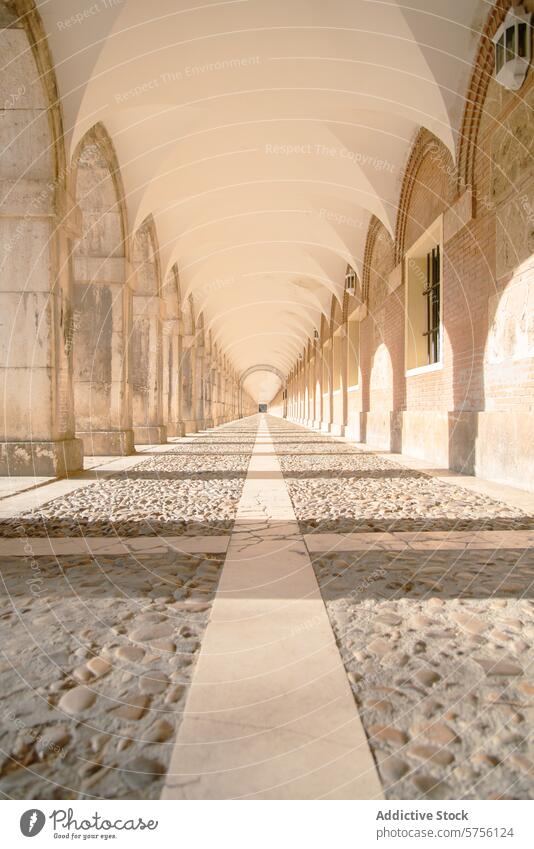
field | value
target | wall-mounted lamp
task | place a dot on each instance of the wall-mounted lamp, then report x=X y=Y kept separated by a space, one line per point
x=512 y=49
x=350 y=281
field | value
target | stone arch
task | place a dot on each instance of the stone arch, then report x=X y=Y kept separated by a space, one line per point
x=37 y=436
x=102 y=300
x=146 y=341
x=262 y=367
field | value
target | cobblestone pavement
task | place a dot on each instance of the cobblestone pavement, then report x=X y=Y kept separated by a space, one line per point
x=335 y=488
x=436 y=642
x=98 y=651
x=97 y=657
x=192 y=488
x=435 y=633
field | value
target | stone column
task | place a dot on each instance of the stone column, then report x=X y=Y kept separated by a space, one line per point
x=208 y=387
x=318 y=388
x=198 y=386
x=188 y=370
x=326 y=418
x=172 y=359
x=147 y=360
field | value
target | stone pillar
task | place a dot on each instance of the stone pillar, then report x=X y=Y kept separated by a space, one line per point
x=198 y=386
x=172 y=359
x=37 y=432
x=172 y=354
x=218 y=406
x=147 y=360
x=188 y=371
x=102 y=319
x=318 y=388
x=208 y=386
x=339 y=378
x=326 y=418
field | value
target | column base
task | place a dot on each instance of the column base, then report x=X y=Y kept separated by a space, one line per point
x=175 y=429
x=337 y=429
x=353 y=430
x=208 y=423
x=190 y=425
x=114 y=443
x=41 y=458
x=325 y=427
x=150 y=435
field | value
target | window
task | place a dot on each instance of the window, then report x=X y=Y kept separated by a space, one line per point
x=353 y=352
x=424 y=300
x=432 y=294
x=350 y=281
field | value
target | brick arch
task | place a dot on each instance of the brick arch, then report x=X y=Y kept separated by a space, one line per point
x=476 y=96
x=430 y=171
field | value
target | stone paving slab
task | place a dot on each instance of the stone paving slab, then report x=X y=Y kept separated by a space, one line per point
x=433 y=540
x=106 y=545
x=10 y=486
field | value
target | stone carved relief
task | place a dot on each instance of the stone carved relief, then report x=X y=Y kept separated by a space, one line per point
x=515 y=230
x=512 y=149
x=511 y=320
x=381 y=372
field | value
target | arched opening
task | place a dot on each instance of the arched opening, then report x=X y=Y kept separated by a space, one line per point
x=102 y=302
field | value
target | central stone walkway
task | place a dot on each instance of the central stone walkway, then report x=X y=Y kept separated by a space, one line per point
x=263 y=611
x=270 y=713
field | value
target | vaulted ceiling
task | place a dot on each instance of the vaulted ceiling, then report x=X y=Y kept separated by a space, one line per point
x=261 y=135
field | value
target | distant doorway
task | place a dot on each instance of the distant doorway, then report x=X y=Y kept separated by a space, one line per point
x=262 y=408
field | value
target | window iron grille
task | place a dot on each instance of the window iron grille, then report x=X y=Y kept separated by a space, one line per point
x=432 y=292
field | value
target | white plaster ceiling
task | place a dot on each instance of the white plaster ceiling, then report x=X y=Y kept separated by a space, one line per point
x=261 y=135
